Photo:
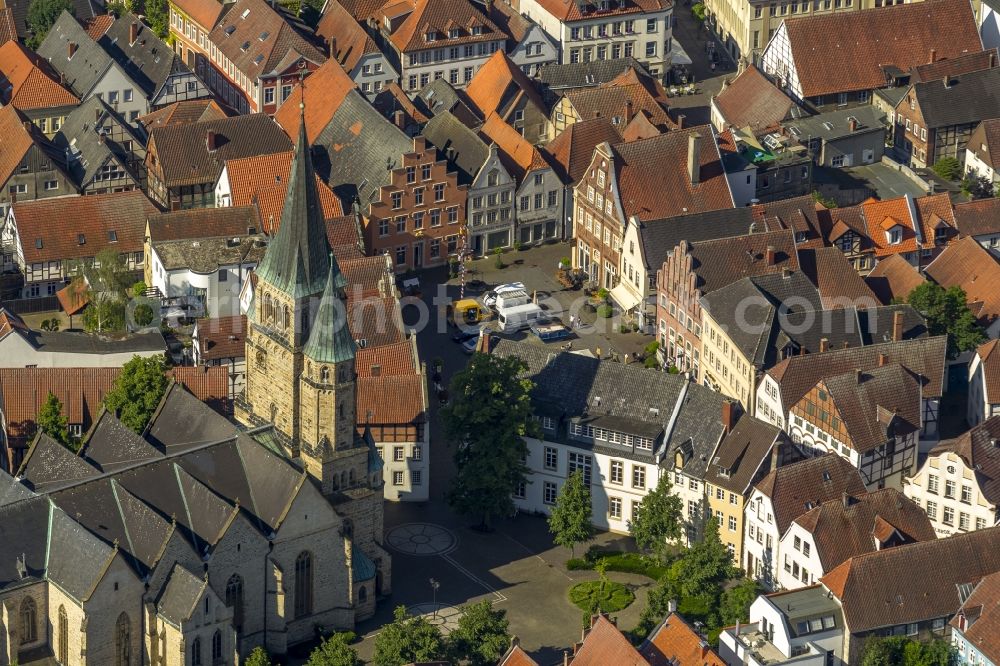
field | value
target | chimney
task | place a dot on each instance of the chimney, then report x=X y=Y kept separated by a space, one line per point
x=70 y=50
x=703 y=644
x=101 y=138
x=933 y=55
x=882 y=359
x=728 y=416
x=399 y=119
x=770 y=255
x=993 y=59
x=210 y=142
x=694 y=157
x=845 y=499
x=680 y=121
x=333 y=47
x=514 y=641
x=897 y=325
x=565 y=657
x=672 y=606
x=824 y=344
x=133 y=33
x=852 y=124
x=857 y=375
x=376 y=371
x=97 y=114
x=628 y=111
x=27 y=126
x=776 y=454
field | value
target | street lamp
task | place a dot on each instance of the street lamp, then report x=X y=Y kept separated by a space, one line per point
x=434 y=591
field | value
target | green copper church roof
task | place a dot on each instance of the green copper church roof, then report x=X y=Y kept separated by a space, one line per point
x=298 y=259
x=330 y=340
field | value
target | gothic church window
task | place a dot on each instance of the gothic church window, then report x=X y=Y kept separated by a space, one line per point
x=234 y=599
x=123 y=641
x=29 y=621
x=63 y=639
x=303 y=584
x=324 y=375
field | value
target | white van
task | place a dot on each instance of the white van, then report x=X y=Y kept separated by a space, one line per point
x=508 y=299
x=520 y=317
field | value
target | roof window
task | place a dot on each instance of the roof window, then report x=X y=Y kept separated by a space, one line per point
x=246 y=13
x=81 y=239
x=113 y=236
x=230 y=29
x=246 y=45
x=264 y=35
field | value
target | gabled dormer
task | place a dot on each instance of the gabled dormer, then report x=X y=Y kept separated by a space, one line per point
x=893 y=230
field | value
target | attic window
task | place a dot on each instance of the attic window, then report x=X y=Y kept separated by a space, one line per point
x=477 y=30
x=430 y=36
x=38 y=243
x=113 y=236
x=264 y=35
x=453 y=33
x=246 y=13
x=81 y=239
x=259 y=59
x=826 y=475
x=246 y=45
x=230 y=30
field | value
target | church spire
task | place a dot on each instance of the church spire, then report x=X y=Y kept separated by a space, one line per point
x=330 y=340
x=298 y=258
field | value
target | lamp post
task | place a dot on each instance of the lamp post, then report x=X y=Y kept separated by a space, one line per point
x=434 y=591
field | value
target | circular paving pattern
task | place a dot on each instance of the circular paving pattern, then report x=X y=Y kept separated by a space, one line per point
x=422 y=539
x=444 y=618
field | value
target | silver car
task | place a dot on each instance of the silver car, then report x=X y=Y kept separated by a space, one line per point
x=490 y=299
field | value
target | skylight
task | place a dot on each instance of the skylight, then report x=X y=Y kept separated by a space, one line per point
x=246 y=13
x=264 y=35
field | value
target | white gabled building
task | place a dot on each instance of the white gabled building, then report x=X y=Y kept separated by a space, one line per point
x=984 y=383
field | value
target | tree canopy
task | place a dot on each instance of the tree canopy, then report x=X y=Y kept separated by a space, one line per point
x=481 y=637
x=335 y=650
x=734 y=606
x=947 y=314
x=902 y=651
x=52 y=421
x=406 y=640
x=658 y=518
x=42 y=14
x=137 y=391
x=258 y=657
x=570 y=521
x=706 y=564
x=486 y=421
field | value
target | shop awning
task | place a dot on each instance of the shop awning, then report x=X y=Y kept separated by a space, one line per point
x=677 y=54
x=625 y=297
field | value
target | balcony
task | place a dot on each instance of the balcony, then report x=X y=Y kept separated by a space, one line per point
x=752 y=647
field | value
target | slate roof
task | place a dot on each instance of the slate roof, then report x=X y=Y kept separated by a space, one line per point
x=836 y=279
x=89 y=62
x=968 y=98
x=801 y=486
x=966 y=264
x=981 y=612
x=674 y=642
x=584 y=74
x=631 y=92
x=876 y=324
x=573 y=149
x=184 y=155
x=77 y=559
x=77 y=342
x=893 y=278
x=976 y=449
x=181 y=113
x=49 y=465
x=751 y=100
x=352 y=41
x=88 y=150
x=110 y=445
x=846 y=51
x=33 y=84
x=180 y=595
x=439 y=96
x=81 y=391
x=661 y=236
x=82 y=9
x=913 y=582
x=181 y=422
x=29 y=519
x=466 y=152
x=721 y=262
x=833 y=125
x=148 y=60
x=104 y=220
x=261 y=39
x=875 y=403
x=841 y=532
x=743 y=455
x=222 y=337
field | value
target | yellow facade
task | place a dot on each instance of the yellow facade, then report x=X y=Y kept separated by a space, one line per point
x=723 y=365
x=727 y=507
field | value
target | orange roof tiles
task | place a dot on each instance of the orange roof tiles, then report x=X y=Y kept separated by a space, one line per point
x=208 y=384
x=98 y=25
x=516 y=656
x=893 y=278
x=385 y=361
x=73 y=297
x=221 y=337
x=604 y=644
x=522 y=156
x=881 y=216
x=498 y=82
x=979 y=618
x=573 y=149
x=204 y=12
x=963 y=64
x=351 y=41
x=262 y=180
x=391 y=400
x=989 y=357
x=438 y=16
x=25 y=390
x=190 y=111
x=17 y=139
x=33 y=85
x=966 y=264
x=326 y=89
x=935 y=211
x=571 y=10
x=676 y=643
x=631 y=92
x=846 y=51
x=8 y=27
x=751 y=100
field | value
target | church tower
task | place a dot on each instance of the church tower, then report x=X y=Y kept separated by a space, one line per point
x=300 y=364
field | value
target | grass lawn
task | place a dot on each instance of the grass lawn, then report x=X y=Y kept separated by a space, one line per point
x=608 y=596
x=621 y=562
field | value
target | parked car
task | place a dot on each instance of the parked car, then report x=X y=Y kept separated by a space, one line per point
x=463 y=334
x=550 y=332
x=490 y=298
x=469 y=346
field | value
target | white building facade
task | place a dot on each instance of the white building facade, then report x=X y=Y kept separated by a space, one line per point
x=949 y=492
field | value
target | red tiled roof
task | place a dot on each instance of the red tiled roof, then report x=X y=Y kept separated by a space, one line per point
x=846 y=51
x=96 y=218
x=604 y=644
x=25 y=390
x=653 y=181
x=325 y=91
x=96 y=26
x=571 y=10
x=935 y=211
x=631 y=92
x=516 y=656
x=366 y=275
x=8 y=27
x=262 y=180
x=351 y=40
x=17 y=139
x=801 y=486
x=676 y=643
x=10 y=322
x=204 y=12
x=182 y=113
x=438 y=16
x=978 y=451
x=963 y=64
x=835 y=278
x=390 y=360
x=982 y=216
x=73 y=297
x=221 y=337
x=719 y=263
x=981 y=615
x=573 y=149
x=33 y=84
x=966 y=264
x=881 y=216
x=193 y=223
x=208 y=384
x=751 y=100
x=391 y=399
x=497 y=83
x=521 y=157
x=374 y=319
x=893 y=278
x=989 y=358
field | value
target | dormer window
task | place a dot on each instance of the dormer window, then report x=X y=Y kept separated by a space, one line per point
x=894 y=236
x=81 y=239
x=453 y=33
x=245 y=46
x=430 y=36
x=264 y=35
x=477 y=30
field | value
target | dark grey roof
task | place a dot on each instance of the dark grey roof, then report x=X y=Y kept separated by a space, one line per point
x=743 y=455
x=180 y=595
x=182 y=422
x=969 y=98
x=49 y=464
x=697 y=430
x=82 y=9
x=464 y=149
x=359 y=148
x=439 y=96
x=111 y=445
x=73 y=342
x=585 y=74
x=892 y=95
x=660 y=237
x=876 y=323
x=11 y=490
x=836 y=124
x=29 y=521
x=77 y=558
x=85 y=149
x=298 y=259
x=87 y=65
x=147 y=61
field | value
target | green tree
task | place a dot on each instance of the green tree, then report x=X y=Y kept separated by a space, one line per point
x=481 y=636
x=706 y=564
x=158 y=17
x=570 y=521
x=408 y=639
x=902 y=651
x=41 y=15
x=948 y=168
x=139 y=289
x=658 y=518
x=53 y=422
x=143 y=314
x=137 y=391
x=947 y=314
x=258 y=657
x=734 y=606
x=978 y=187
x=107 y=286
x=657 y=605
x=698 y=10
x=335 y=650
x=487 y=419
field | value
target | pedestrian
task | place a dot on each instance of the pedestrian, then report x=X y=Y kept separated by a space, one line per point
x=572 y=321
x=626 y=358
